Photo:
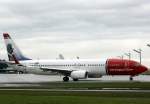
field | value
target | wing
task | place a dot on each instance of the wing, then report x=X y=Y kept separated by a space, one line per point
x=61 y=71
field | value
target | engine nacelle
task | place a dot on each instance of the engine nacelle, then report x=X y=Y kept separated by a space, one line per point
x=79 y=74
x=94 y=76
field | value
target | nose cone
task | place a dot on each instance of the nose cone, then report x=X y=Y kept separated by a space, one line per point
x=137 y=67
x=141 y=69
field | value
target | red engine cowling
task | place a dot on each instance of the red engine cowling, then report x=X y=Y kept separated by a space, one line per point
x=124 y=67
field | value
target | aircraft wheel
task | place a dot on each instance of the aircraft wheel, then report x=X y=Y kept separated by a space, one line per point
x=66 y=79
x=75 y=79
x=20 y=72
x=131 y=78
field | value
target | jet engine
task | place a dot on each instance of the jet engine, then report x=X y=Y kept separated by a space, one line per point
x=79 y=74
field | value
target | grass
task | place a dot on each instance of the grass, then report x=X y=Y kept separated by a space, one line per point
x=71 y=100
x=31 y=97
x=52 y=97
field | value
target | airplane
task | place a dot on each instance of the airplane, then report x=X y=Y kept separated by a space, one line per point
x=76 y=68
x=9 y=67
x=61 y=57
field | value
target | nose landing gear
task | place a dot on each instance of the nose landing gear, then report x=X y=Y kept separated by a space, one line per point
x=131 y=78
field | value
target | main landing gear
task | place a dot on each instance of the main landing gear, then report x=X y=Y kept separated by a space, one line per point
x=20 y=72
x=66 y=79
x=75 y=79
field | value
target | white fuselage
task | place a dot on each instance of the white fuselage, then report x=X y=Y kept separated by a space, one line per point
x=93 y=67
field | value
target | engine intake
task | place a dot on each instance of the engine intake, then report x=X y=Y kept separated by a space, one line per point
x=79 y=74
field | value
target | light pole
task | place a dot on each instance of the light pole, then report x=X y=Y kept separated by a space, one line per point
x=121 y=57
x=128 y=54
x=139 y=51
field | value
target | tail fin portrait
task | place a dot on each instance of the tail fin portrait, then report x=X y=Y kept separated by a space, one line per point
x=13 y=51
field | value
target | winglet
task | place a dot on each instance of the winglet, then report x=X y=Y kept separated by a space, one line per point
x=6 y=36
